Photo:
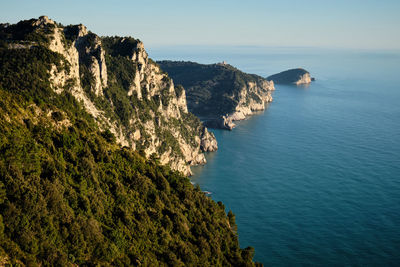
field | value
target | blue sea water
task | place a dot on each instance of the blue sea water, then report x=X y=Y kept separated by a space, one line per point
x=315 y=178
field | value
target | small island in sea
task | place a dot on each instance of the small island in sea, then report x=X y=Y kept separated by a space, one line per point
x=293 y=76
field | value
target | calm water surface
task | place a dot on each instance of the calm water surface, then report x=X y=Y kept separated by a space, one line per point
x=314 y=179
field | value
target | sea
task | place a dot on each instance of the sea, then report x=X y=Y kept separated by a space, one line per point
x=314 y=180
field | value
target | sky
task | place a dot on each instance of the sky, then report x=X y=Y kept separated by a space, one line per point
x=355 y=24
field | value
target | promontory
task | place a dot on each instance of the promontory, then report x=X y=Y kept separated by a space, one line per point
x=219 y=93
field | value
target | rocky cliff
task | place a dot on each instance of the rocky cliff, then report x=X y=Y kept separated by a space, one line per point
x=121 y=87
x=70 y=195
x=219 y=93
x=293 y=76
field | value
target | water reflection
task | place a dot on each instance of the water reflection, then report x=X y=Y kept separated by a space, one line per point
x=304 y=86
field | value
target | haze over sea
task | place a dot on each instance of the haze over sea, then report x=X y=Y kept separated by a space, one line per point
x=315 y=179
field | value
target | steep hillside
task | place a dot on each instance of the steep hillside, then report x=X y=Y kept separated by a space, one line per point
x=124 y=90
x=70 y=195
x=220 y=93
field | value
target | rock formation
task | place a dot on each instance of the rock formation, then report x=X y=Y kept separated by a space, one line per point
x=122 y=88
x=293 y=76
x=219 y=93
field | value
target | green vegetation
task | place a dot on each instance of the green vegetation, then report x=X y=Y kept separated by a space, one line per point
x=123 y=70
x=25 y=32
x=119 y=46
x=186 y=129
x=121 y=74
x=211 y=90
x=69 y=195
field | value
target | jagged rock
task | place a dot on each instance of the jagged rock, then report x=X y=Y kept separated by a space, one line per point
x=42 y=21
x=293 y=76
x=208 y=141
x=140 y=55
x=219 y=93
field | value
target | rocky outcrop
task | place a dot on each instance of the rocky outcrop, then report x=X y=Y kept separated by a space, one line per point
x=253 y=97
x=222 y=122
x=208 y=142
x=293 y=76
x=219 y=93
x=126 y=93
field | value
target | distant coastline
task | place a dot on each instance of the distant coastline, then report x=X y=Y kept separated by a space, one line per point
x=220 y=93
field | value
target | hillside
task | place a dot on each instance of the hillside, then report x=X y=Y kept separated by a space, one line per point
x=219 y=93
x=123 y=89
x=73 y=190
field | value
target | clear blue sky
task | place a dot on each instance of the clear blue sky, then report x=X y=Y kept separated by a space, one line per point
x=364 y=24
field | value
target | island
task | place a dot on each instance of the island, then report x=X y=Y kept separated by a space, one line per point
x=296 y=76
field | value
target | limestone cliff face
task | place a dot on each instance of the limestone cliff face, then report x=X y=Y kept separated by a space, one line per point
x=127 y=94
x=293 y=76
x=219 y=93
x=251 y=98
x=208 y=142
x=304 y=79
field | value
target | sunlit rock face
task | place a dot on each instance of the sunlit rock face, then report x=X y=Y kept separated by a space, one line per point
x=125 y=92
